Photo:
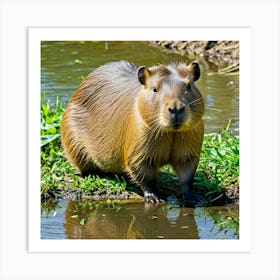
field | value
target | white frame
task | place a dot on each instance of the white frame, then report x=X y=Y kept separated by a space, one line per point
x=243 y=35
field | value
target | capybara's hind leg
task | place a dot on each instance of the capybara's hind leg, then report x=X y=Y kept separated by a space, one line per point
x=85 y=165
x=92 y=170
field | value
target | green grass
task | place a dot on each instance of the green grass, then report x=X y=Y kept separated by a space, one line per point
x=218 y=167
x=217 y=173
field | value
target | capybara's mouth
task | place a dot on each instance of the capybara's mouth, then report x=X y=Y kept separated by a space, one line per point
x=173 y=127
x=176 y=126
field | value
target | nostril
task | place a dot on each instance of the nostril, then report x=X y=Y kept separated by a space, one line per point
x=171 y=111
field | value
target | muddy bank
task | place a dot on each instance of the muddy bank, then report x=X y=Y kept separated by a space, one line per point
x=69 y=192
x=221 y=53
x=229 y=195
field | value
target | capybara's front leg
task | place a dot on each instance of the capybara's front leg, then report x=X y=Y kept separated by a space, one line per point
x=186 y=176
x=145 y=177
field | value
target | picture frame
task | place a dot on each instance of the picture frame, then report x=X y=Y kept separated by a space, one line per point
x=16 y=144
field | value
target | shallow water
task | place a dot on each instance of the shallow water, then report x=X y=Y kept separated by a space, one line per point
x=137 y=220
x=64 y=64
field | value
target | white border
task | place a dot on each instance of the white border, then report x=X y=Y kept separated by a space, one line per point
x=36 y=35
x=262 y=16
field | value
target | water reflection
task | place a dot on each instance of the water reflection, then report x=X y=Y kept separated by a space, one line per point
x=131 y=221
x=136 y=220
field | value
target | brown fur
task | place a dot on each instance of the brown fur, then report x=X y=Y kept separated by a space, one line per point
x=116 y=123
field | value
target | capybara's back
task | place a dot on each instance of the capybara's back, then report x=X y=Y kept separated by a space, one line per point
x=96 y=119
x=129 y=119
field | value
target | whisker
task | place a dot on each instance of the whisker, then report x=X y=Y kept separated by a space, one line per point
x=196 y=100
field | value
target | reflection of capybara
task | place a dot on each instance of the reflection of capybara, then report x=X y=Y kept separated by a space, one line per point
x=129 y=119
x=128 y=220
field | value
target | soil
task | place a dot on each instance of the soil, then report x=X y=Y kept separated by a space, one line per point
x=228 y=196
x=72 y=193
x=220 y=53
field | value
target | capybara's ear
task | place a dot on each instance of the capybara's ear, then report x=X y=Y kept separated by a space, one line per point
x=194 y=70
x=143 y=75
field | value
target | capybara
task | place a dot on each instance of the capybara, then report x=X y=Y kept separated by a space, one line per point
x=131 y=119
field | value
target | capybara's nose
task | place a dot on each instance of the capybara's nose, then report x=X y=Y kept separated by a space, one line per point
x=177 y=112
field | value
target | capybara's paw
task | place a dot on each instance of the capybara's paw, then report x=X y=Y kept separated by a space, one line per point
x=150 y=197
x=193 y=198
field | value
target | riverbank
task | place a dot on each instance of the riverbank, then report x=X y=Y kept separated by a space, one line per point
x=220 y=53
x=217 y=176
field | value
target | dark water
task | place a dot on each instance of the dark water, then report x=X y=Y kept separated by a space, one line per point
x=137 y=220
x=64 y=64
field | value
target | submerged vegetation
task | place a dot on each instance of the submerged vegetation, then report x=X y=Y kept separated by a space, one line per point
x=217 y=176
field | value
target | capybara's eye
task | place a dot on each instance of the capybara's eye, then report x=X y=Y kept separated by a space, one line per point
x=188 y=86
x=154 y=89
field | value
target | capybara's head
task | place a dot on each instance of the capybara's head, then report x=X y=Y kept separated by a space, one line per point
x=169 y=100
